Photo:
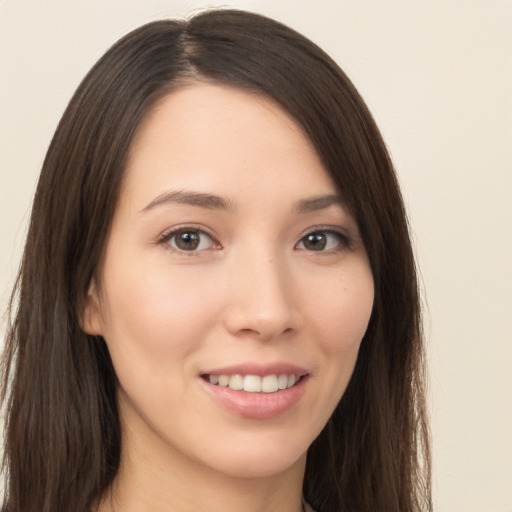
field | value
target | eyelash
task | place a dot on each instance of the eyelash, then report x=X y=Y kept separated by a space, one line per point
x=344 y=242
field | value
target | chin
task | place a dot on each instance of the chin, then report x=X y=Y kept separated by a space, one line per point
x=263 y=459
x=260 y=466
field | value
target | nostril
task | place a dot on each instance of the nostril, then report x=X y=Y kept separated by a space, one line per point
x=266 y=332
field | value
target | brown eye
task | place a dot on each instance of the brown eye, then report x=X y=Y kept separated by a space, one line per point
x=189 y=240
x=322 y=241
x=315 y=242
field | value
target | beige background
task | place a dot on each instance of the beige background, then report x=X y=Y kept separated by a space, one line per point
x=438 y=77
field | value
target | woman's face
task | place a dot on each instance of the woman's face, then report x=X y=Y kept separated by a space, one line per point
x=231 y=263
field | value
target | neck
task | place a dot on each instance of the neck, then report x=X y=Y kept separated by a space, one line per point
x=154 y=477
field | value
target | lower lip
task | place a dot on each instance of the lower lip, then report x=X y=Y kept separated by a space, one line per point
x=256 y=405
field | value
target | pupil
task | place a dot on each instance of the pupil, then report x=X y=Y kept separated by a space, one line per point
x=315 y=242
x=188 y=241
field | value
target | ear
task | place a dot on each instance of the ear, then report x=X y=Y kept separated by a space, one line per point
x=90 y=318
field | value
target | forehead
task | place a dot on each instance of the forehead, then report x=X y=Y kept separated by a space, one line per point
x=225 y=139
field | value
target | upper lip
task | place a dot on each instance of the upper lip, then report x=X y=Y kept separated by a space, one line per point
x=252 y=368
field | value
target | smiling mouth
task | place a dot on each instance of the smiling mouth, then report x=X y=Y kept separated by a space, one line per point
x=255 y=383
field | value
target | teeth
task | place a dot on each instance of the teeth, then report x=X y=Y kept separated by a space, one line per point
x=282 y=381
x=254 y=383
x=269 y=384
x=224 y=381
x=236 y=382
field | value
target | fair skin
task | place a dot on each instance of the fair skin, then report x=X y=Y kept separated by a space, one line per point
x=230 y=254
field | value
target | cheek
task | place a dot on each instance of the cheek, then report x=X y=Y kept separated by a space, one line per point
x=341 y=309
x=155 y=315
x=154 y=322
x=339 y=312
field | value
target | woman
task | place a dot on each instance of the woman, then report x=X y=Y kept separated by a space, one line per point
x=217 y=306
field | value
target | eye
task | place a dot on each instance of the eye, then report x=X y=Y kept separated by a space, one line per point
x=323 y=241
x=188 y=240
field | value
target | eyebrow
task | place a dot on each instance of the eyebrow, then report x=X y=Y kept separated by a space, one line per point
x=214 y=202
x=200 y=199
x=315 y=204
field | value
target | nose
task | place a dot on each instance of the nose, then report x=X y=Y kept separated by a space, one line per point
x=262 y=301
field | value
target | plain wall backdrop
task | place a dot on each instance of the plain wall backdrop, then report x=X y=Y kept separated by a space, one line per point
x=437 y=75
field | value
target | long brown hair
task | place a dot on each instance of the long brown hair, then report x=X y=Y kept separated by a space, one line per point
x=63 y=436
